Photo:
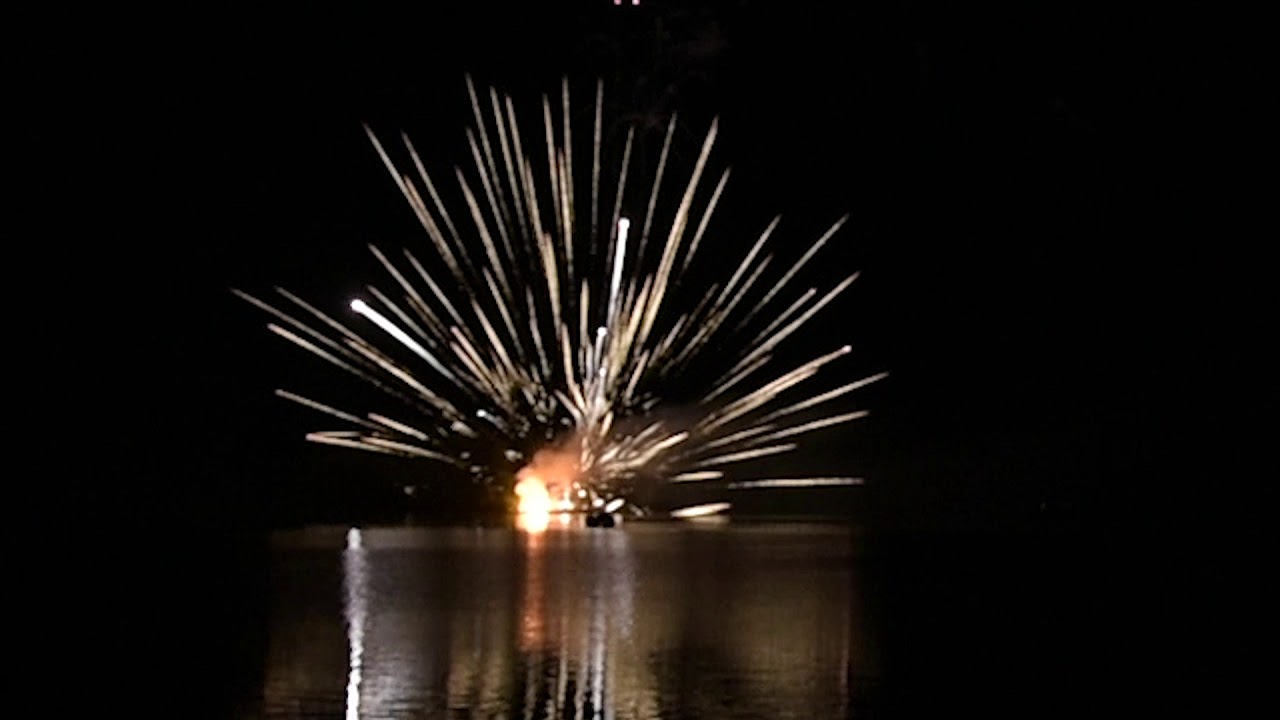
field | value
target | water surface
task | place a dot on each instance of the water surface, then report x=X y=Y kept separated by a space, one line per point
x=654 y=620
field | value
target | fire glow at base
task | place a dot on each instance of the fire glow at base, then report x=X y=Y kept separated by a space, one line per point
x=532 y=350
x=550 y=483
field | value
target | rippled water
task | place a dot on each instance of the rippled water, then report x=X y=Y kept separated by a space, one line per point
x=650 y=620
x=654 y=620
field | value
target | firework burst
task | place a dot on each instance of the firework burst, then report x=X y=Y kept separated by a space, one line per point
x=532 y=346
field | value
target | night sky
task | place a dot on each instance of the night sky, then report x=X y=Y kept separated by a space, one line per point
x=1050 y=209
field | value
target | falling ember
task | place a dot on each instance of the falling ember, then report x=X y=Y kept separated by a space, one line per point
x=532 y=341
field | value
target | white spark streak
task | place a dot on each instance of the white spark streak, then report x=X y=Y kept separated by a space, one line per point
x=698 y=476
x=381 y=321
x=795 y=483
x=746 y=455
x=700 y=510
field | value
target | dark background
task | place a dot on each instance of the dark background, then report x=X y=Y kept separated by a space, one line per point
x=1050 y=207
x=1056 y=207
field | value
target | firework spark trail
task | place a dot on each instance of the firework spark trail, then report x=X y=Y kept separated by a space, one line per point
x=794 y=483
x=550 y=332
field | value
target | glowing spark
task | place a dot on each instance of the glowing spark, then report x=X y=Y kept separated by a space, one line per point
x=381 y=321
x=694 y=511
x=698 y=476
x=330 y=439
x=748 y=454
x=795 y=483
x=394 y=425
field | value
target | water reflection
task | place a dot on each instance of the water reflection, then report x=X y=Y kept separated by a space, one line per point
x=355 y=580
x=656 y=620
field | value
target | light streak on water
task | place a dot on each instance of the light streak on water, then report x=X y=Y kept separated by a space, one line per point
x=355 y=583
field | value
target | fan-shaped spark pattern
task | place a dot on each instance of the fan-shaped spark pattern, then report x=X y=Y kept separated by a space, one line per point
x=541 y=329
